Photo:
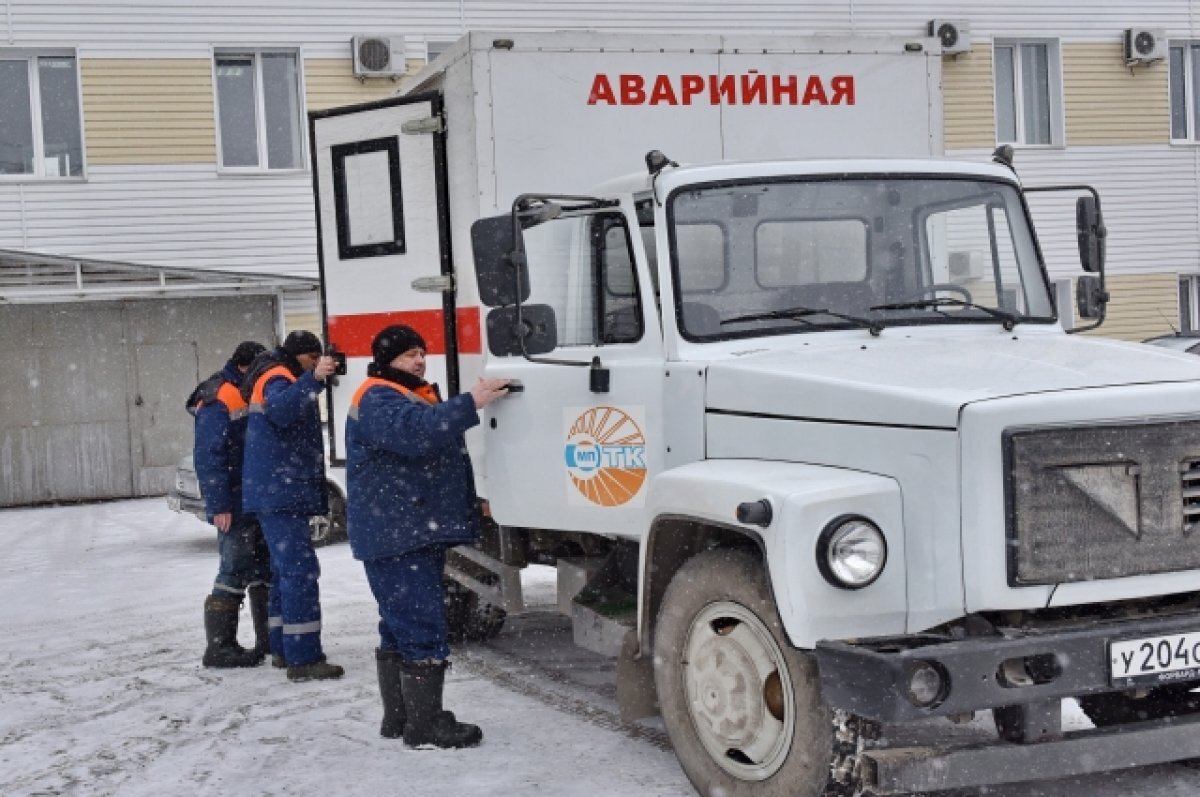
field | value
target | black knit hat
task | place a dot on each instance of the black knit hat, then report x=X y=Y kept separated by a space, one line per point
x=301 y=342
x=393 y=341
x=245 y=353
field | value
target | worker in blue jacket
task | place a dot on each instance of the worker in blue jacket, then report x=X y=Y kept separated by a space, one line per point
x=410 y=496
x=284 y=485
x=245 y=566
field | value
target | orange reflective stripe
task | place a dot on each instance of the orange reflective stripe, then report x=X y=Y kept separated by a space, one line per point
x=257 y=397
x=231 y=398
x=424 y=392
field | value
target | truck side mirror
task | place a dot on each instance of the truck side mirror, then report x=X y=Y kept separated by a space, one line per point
x=536 y=327
x=496 y=268
x=1090 y=297
x=1089 y=226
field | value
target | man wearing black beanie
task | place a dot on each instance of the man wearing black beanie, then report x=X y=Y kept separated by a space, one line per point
x=410 y=496
x=284 y=482
x=244 y=568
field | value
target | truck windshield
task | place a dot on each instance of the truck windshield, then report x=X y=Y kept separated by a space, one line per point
x=762 y=258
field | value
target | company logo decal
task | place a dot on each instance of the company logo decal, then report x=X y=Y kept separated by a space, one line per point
x=605 y=454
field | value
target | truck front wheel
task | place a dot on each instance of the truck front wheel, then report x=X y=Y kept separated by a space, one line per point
x=743 y=709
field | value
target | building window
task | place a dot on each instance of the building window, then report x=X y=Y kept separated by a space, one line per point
x=40 y=126
x=1028 y=93
x=1189 y=303
x=259 y=110
x=1185 y=91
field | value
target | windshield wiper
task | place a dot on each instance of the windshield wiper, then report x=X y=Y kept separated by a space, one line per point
x=1009 y=320
x=801 y=314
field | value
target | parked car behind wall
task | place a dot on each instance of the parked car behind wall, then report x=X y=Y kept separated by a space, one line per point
x=184 y=497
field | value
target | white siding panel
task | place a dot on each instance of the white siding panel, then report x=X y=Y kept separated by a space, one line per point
x=183 y=28
x=179 y=216
x=1149 y=198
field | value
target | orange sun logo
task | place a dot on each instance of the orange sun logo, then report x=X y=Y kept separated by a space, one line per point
x=606 y=456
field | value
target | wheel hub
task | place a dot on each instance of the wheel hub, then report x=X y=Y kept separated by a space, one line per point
x=728 y=698
x=738 y=691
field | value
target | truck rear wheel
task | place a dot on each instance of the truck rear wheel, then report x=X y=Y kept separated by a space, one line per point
x=744 y=710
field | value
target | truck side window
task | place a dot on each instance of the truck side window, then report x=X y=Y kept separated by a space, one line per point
x=583 y=268
x=969 y=246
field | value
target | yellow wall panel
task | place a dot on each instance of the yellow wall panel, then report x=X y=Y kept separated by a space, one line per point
x=1108 y=102
x=148 y=111
x=1142 y=306
x=969 y=113
x=330 y=82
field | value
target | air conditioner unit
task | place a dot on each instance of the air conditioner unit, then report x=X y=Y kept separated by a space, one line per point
x=965 y=266
x=378 y=56
x=1145 y=45
x=954 y=34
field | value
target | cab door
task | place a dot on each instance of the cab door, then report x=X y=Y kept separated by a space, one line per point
x=568 y=452
x=383 y=222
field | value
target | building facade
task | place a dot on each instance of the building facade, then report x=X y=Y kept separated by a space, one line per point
x=174 y=134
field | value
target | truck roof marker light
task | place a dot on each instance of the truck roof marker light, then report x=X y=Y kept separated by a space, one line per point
x=656 y=161
x=1003 y=155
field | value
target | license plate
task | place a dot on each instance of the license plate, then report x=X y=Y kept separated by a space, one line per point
x=1155 y=660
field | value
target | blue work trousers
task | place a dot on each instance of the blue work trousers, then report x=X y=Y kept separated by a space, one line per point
x=295 y=569
x=411 y=598
x=244 y=558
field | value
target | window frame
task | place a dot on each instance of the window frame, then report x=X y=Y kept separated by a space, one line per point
x=1189 y=302
x=30 y=56
x=1191 y=107
x=1054 y=90
x=256 y=52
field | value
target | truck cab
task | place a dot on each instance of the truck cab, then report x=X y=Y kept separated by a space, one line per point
x=865 y=468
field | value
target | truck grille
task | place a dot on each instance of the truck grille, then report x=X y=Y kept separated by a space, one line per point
x=1102 y=501
x=1190 y=484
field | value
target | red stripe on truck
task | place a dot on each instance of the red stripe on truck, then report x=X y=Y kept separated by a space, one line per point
x=352 y=334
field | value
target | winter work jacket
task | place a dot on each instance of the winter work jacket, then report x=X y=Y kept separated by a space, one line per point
x=220 y=413
x=409 y=480
x=285 y=456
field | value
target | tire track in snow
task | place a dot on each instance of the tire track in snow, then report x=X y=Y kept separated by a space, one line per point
x=581 y=709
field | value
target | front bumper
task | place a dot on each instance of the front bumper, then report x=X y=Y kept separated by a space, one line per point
x=869 y=677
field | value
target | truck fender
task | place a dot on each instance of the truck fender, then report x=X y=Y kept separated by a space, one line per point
x=693 y=508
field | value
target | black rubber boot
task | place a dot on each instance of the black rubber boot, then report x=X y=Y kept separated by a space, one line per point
x=319 y=670
x=258 y=614
x=387 y=665
x=428 y=724
x=220 y=626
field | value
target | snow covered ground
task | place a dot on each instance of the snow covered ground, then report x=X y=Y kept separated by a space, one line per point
x=102 y=692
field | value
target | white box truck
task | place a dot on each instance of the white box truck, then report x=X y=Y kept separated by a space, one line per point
x=812 y=428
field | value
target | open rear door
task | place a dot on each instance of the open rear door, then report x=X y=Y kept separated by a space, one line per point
x=379 y=179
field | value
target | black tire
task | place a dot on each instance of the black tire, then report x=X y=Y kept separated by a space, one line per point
x=718 y=630
x=333 y=530
x=1118 y=708
x=468 y=618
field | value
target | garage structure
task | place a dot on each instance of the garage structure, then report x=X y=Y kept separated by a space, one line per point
x=106 y=355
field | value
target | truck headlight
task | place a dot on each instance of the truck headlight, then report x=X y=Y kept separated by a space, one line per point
x=851 y=552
